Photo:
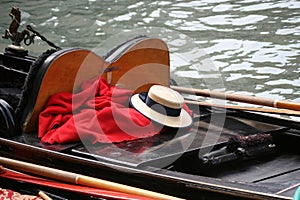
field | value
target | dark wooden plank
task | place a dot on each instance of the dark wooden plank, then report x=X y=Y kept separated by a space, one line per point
x=260 y=169
x=288 y=183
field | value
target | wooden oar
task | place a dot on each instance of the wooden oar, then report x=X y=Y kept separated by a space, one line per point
x=244 y=108
x=44 y=196
x=80 y=179
x=240 y=98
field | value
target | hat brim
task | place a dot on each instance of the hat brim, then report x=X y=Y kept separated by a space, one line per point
x=182 y=121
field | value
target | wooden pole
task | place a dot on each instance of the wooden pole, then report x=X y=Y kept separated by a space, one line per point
x=80 y=179
x=240 y=98
x=244 y=108
x=44 y=196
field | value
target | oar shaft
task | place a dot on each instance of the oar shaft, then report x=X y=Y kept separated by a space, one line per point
x=39 y=170
x=240 y=98
x=103 y=184
x=44 y=196
x=79 y=179
x=244 y=108
x=287 y=105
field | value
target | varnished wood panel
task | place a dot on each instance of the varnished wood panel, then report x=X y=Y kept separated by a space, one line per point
x=63 y=74
x=143 y=65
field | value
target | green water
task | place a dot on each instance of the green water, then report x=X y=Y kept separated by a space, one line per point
x=249 y=47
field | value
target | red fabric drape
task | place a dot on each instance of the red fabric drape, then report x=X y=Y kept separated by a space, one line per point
x=99 y=113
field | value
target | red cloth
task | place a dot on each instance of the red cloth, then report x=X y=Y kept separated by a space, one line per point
x=99 y=113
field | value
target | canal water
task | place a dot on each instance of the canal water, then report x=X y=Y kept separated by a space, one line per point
x=247 y=47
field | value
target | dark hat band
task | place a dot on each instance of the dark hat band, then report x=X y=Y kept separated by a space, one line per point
x=161 y=108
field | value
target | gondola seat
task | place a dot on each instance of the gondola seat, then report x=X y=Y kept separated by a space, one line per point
x=136 y=65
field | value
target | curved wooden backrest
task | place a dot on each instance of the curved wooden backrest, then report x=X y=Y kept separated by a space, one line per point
x=59 y=73
x=135 y=65
x=142 y=65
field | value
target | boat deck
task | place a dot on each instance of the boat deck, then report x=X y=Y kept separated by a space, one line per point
x=176 y=157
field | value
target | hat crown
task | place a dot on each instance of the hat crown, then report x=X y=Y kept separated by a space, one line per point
x=166 y=96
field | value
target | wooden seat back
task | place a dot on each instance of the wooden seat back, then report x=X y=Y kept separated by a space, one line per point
x=134 y=65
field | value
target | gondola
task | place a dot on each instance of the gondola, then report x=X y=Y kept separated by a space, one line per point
x=227 y=153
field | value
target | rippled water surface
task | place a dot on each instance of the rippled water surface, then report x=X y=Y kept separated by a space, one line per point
x=249 y=47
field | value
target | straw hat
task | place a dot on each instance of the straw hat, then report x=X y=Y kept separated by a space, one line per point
x=162 y=105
